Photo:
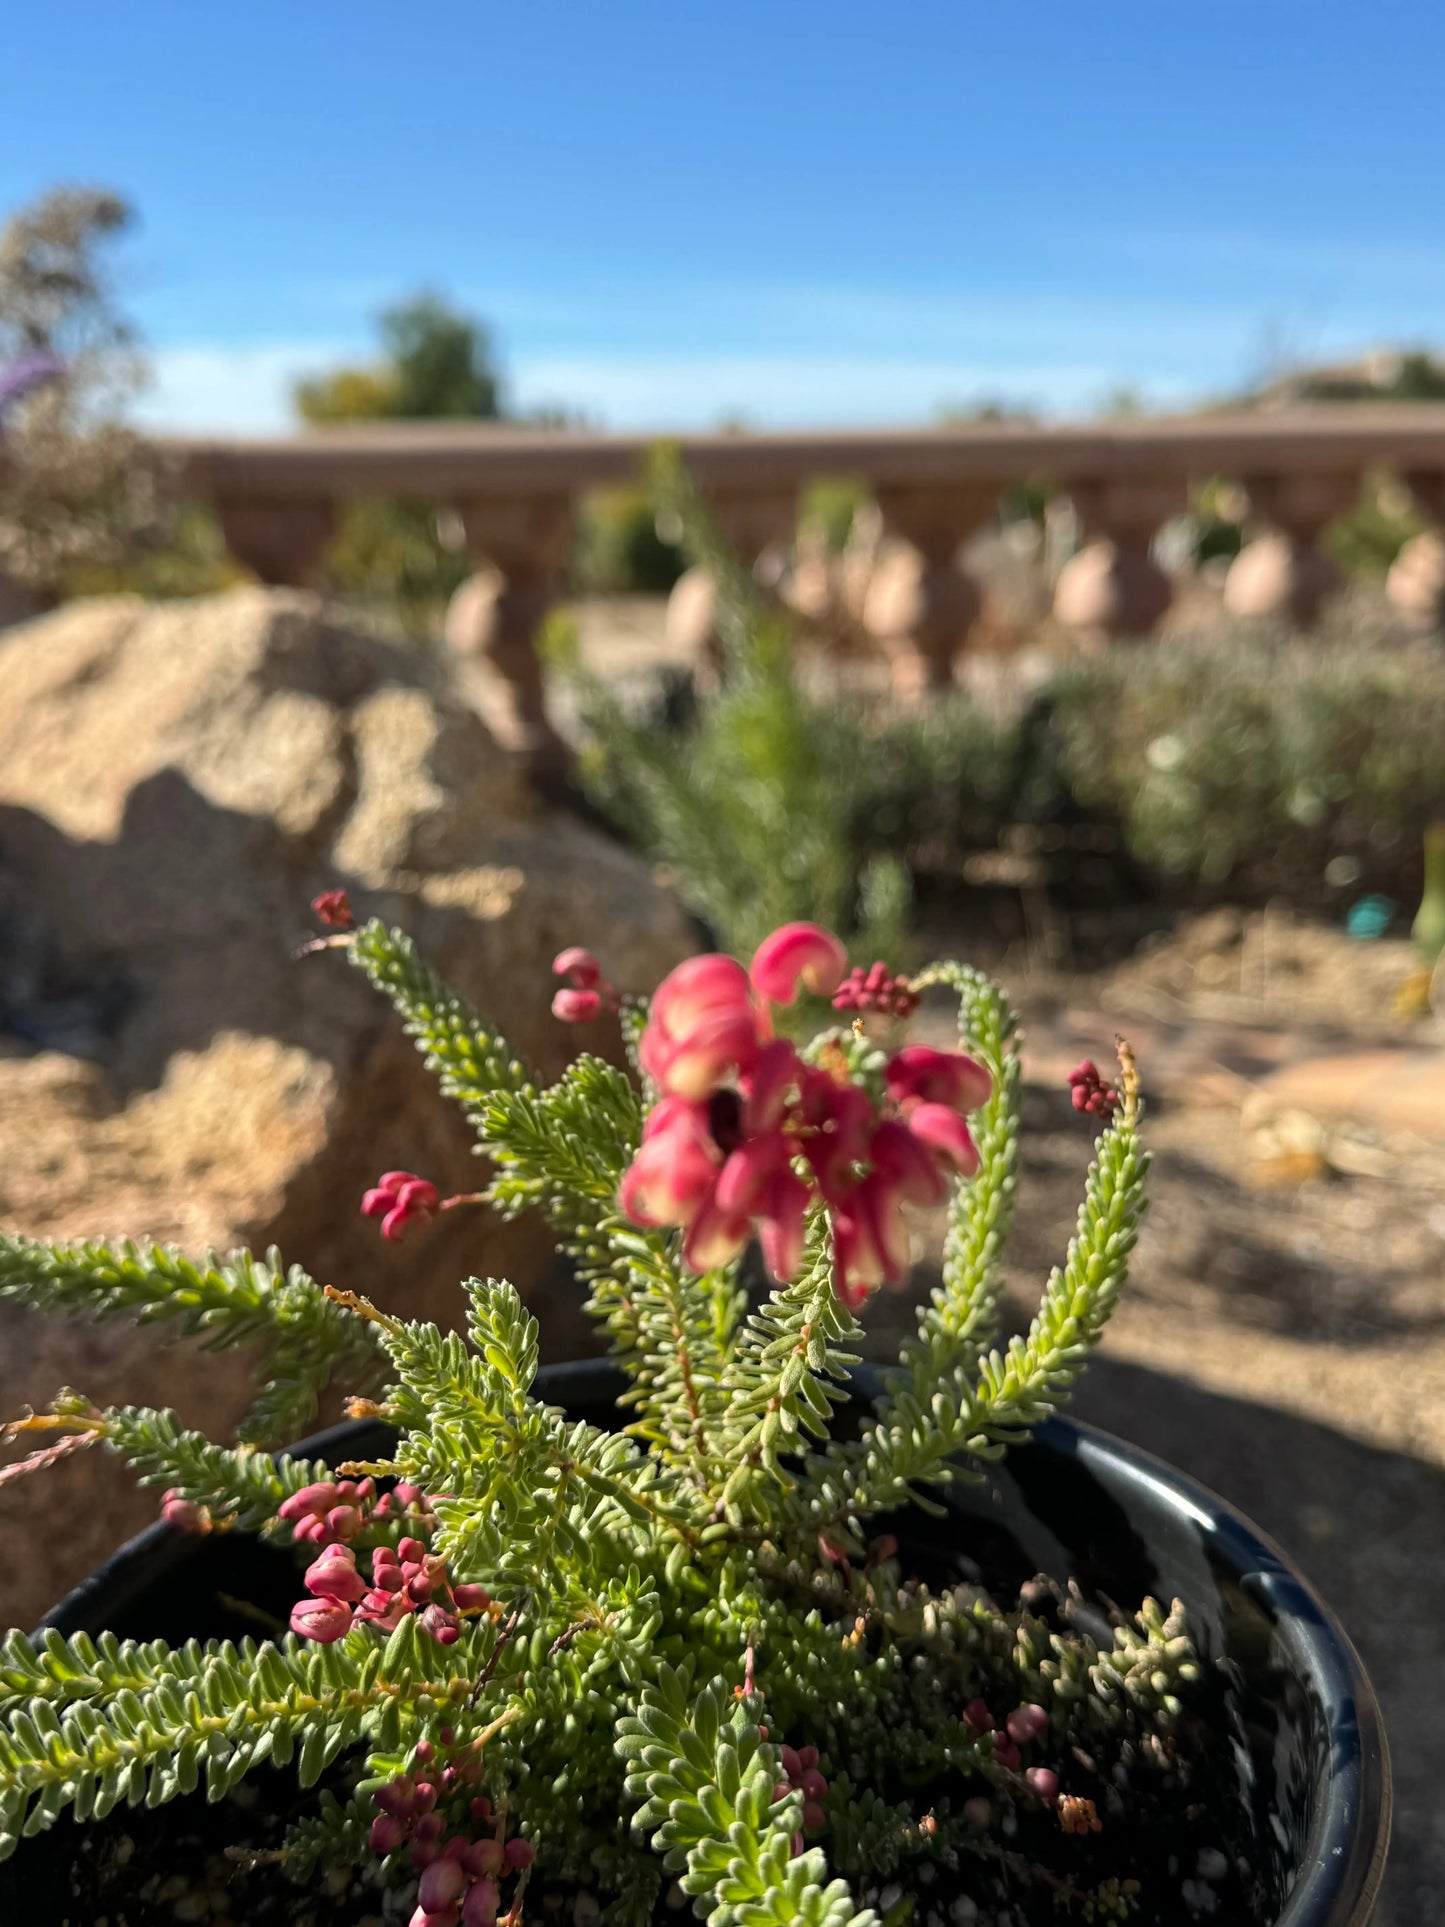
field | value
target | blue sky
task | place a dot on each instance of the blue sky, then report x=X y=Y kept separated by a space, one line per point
x=784 y=213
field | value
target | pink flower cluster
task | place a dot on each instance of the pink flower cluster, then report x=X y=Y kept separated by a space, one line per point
x=458 y=1876
x=741 y=1111
x=801 y=1766
x=586 y=992
x=333 y=907
x=1090 y=1093
x=399 y=1197
x=329 y=1511
x=876 y=989
x=1024 y=1725
x=407 y=1580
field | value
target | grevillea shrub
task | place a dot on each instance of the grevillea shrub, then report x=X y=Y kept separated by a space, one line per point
x=530 y=1657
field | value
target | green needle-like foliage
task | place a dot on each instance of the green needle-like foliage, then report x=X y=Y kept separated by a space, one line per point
x=671 y=1604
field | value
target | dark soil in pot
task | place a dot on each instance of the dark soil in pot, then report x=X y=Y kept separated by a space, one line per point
x=1274 y=1810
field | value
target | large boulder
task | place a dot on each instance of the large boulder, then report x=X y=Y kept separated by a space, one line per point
x=176 y=783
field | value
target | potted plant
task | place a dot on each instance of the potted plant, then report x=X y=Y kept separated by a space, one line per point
x=725 y=1620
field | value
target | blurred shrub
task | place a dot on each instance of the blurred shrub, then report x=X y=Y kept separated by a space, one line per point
x=77 y=489
x=618 y=550
x=743 y=795
x=1365 y=540
x=1253 y=763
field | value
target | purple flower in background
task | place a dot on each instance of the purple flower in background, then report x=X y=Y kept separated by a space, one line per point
x=26 y=373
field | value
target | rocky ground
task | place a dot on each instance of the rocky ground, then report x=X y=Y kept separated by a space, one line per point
x=1284 y=1336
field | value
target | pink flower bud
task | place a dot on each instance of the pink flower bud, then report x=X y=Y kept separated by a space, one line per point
x=479 y=1909
x=813 y=1785
x=518 y=1854
x=807 y=1756
x=344 y=1521
x=334 y=1575
x=430 y=1826
x=442 y=1625
x=333 y=907
x=411 y=1552
x=1044 y=1783
x=977 y=1812
x=1027 y=1723
x=184 y=1513
x=471 y=1598
x=937 y=1077
x=576 y=1006
x=1005 y=1752
x=814 y=1817
x=396 y=1797
x=798 y=953
x=484 y=1857
x=442 y=1884
x=792 y=1765
x=578 y=966
x=324 y=1620
x=977 y=1715
x=387 y=1833
x=423 y=1853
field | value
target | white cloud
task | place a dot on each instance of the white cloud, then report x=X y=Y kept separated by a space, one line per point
x=237 y=391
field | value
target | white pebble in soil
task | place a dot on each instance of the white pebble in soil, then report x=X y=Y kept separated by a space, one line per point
x=963 y=1912
x=890 y=1896
x=1211 y=1865
x=1198 y=1897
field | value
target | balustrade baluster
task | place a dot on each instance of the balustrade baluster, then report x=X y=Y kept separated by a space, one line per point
x=494 y=618
x=1416 y=582
x=1281 y=574
x=1113 y=588
x=920 y=603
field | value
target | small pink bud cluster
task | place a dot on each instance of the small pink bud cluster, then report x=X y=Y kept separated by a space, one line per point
x=407 y=1580
x=184 y=1513
x=876 y=989
x=332 y=1510
x=333 y=907
x=399 y=1197
x=586 y=993
x=1023 y=1726
x=459 y=1877
x=1090 y=1093
x=741 y=1110
x=801 y=1766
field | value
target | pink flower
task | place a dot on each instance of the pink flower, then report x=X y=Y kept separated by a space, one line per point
x=324 y=1620
x=798 y=953
x=333 y=907
x=747 y=1135
x=334 y=1575
x=918 y=1072
x=399 y=1197
x=442 y=1885
x=1044 y=1782
x=940 y=1130
x=586 y=993
x=321 y=1514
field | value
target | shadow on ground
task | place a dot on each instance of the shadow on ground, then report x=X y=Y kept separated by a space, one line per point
x=1367 y=1527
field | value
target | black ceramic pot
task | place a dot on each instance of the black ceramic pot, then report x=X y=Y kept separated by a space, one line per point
x=1074 y=1502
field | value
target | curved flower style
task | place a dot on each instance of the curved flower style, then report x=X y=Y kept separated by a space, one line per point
x=749 y=1134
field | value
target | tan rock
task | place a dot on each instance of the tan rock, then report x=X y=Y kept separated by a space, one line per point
x=176 y=782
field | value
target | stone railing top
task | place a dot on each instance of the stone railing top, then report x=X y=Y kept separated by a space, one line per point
x=469 y=461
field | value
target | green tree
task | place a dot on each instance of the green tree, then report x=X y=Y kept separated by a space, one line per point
x=436 y=365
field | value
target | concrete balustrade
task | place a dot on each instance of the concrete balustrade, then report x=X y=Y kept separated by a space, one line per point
x=901 y=585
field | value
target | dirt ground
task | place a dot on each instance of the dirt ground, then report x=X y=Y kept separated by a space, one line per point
x=1284 y=1335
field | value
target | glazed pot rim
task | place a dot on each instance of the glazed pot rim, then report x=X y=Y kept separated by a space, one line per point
x=1343 y=1861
